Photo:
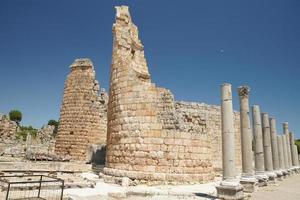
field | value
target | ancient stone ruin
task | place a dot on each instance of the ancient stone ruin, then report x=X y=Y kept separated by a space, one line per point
x=8 y=128
x=150 y=137
x=146 y=137
x=83 y=112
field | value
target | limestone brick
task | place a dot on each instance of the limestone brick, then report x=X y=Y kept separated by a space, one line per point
x=8 y=128
x=83 y=115
x=150 y=137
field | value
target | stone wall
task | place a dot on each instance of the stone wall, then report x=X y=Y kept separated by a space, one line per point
x=8 y=128
x=83 y=112
x=150 y=137
x=206 y=118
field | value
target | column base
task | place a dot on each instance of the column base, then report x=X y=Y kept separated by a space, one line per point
x=279 y=174
x=272 y=177
x=290 y=171
x=285 y=173
x=230 y=190
x=249 y=183
x=262 y=179
x=295 y=169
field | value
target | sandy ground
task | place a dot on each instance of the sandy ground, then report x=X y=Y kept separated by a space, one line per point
x=288 y=189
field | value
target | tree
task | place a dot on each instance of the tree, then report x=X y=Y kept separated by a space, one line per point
x=15 y=115
x=52 y=122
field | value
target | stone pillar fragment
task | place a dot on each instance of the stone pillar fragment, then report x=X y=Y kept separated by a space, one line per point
x=296 y=167
x=28 y=141
x=230 y=187
x=292 y=146
x=259 y=149
x=296 y=155
x=274 y=145
x=285 y=126
x=248 y=180
x=286 y=162
x=267 y=147
x=281 y=155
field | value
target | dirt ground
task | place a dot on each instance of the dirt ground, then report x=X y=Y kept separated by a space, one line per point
x=288 y=189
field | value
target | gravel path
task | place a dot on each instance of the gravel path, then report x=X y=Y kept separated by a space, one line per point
x=286 y=189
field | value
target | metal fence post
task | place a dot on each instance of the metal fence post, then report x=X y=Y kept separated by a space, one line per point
x=7 y=194
x=62 y=189
x=39 y=193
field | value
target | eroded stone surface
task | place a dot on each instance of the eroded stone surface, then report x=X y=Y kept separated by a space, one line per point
x=152 y=138
x=83 y=112
x=8 y=128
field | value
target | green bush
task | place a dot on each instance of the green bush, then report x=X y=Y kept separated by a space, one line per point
x=15 y=115
x=22 y=133
x=53 y=122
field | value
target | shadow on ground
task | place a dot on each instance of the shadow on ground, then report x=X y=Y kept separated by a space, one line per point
x=206 y=196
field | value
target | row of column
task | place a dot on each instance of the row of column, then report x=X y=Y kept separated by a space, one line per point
x=274 y=155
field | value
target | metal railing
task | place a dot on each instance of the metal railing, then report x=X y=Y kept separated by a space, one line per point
x=14 y=187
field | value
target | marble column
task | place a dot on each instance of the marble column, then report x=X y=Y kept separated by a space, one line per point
x=292 y=143
x=286 y=162
x=258 y=147
x=285 y=126
x=281 y=155
x=267 y=147
x=296 y=155
x=248 y=180
x=297 y=168
x=229 y=188
x=274 y=144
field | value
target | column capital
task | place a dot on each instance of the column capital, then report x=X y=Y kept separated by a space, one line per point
x=243 y=91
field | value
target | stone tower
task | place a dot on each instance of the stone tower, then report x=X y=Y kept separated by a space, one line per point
x=83 y=112
x=147 y=139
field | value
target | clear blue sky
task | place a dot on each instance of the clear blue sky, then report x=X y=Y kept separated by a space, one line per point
x=191 y=47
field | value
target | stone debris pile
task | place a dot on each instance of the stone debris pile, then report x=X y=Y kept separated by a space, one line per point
x=46 y=133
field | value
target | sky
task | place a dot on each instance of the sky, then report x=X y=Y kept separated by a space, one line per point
x=191 y=48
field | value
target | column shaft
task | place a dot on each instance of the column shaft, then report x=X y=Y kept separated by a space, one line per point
x=286 y=161
x=296 y=155
x=288 y=145
x=267 y=142
x=275 y=155
x=280 y=152
x=292 y=143
x=258 y=140
x=246 y=132
x=228 y=146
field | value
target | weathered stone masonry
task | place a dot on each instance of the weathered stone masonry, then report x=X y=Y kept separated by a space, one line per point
x=149 y=136
x=210 y=116
x=8 y=128
x=83 y=112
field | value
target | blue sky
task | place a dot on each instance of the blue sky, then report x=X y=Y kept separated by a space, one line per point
x=191 y=47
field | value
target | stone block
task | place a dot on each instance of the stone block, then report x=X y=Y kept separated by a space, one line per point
x=230 y=191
